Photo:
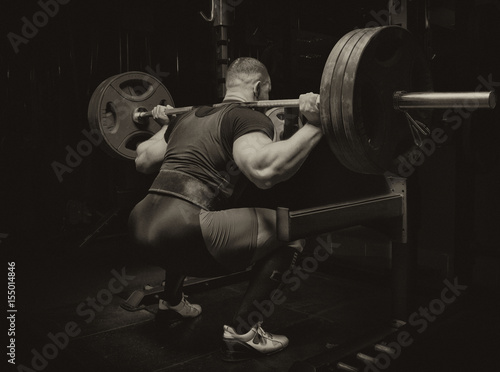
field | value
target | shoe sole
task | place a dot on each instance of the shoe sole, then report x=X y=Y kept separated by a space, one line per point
x=235 y=351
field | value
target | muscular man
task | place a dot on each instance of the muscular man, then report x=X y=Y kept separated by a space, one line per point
x=186 y=222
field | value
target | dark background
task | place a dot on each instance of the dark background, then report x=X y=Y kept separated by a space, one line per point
x=47 y=86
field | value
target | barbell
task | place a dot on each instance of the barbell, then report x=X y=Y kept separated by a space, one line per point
x=375 y=94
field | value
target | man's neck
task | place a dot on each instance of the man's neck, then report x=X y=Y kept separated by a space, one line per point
x=236 y=96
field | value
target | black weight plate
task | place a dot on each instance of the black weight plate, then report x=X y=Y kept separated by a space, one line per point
x=111 y=109
x=365 y=132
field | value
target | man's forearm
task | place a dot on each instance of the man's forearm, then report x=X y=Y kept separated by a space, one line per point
x=150 y=155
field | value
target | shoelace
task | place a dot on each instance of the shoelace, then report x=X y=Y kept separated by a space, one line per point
x=186 y=302
x=263 y=333
x=183 y=301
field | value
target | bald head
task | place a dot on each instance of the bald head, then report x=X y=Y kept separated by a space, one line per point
x=247 y=79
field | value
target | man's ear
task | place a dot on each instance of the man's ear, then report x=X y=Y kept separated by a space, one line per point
x=256 y=90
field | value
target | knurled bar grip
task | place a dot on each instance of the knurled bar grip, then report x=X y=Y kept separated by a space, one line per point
x=256 y=104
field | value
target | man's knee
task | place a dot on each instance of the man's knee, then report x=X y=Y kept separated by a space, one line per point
x=298 y=245
x=266 y=228
x=140 y=233
x=266 y=218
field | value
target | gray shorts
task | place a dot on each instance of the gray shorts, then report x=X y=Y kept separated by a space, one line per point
x=238 y=237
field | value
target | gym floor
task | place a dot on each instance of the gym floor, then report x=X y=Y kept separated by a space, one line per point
x=67 y=319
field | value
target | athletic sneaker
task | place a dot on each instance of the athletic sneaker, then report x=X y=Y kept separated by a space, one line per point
x=255 y=342
x=185 y=309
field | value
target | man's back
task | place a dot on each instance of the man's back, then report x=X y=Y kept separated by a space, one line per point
x=201 y=143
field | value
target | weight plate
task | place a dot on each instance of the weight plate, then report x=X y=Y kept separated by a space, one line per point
x=277 y=116
x=365 y=132
x=111 y=109
x=341 y=143
x=326 y=85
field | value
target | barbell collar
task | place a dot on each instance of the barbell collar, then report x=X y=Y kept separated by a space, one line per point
x=443 y=100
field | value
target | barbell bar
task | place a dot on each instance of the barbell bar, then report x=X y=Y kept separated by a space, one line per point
x=138 y=114
x=402 y=101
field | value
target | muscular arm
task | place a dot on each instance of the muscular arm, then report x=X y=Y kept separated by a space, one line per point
x=267 y=163
x=150 y=153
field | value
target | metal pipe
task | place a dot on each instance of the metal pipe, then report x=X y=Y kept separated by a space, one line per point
x=440 y=100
